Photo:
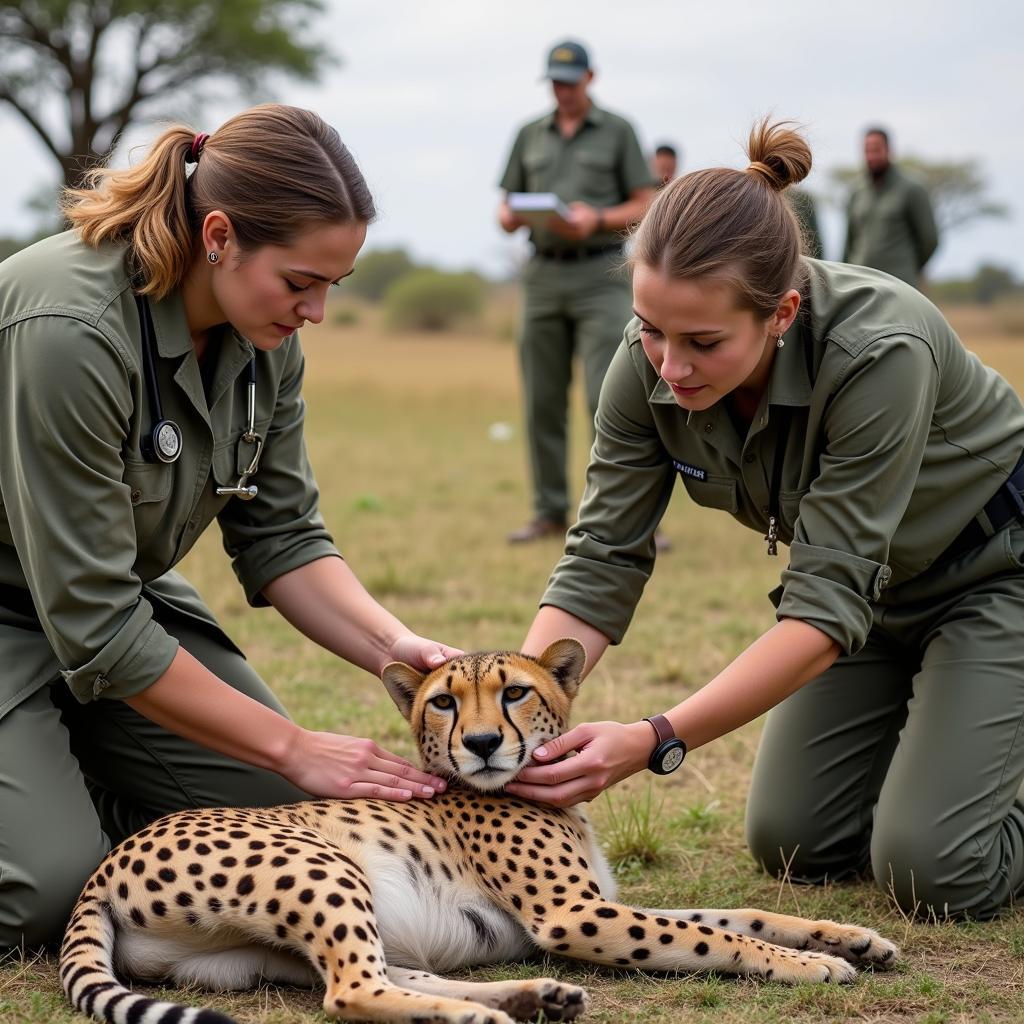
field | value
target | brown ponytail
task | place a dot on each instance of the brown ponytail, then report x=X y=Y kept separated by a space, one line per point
x=733 y=225
x=274 y=170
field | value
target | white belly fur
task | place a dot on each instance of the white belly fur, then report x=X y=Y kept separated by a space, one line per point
x=439 y=925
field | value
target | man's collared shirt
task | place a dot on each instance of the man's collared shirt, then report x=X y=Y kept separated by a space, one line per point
x=601 y=165
x=890 y=226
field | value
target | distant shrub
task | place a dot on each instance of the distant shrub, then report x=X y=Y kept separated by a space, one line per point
x=433 y=300
x=345 y=316
x=376 y=271
x=988 y=284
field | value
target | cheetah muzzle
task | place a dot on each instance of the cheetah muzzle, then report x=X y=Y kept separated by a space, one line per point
x=369 y=899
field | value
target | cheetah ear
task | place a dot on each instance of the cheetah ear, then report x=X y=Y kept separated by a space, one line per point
x=565 y=660
x=403 y=683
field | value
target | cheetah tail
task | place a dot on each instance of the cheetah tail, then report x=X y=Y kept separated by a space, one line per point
x=87 y=974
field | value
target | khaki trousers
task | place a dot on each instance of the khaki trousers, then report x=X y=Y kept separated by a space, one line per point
x=579 y=308
x=906 y=759
x=76 y=779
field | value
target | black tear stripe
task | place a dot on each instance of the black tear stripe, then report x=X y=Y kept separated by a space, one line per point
x=451 y=759
x=515 y=728
x=483 y=930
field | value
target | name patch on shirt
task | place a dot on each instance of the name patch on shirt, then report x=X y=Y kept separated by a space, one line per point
x=693 y=471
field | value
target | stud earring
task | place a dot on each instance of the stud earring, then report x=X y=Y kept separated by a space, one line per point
x=779 y=343
x=212 y=256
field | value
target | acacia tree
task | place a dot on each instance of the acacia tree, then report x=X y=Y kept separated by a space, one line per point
x=79 y=72
x=957 y=189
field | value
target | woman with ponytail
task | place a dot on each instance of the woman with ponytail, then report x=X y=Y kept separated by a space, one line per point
x=150 y=376
x=832 y=409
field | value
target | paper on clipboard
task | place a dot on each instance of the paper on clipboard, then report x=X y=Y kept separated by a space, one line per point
x=535 y=208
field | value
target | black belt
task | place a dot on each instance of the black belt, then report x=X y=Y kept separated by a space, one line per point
x=574 y=255
x=1004 y=506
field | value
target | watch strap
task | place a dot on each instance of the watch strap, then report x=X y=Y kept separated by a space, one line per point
x=662 y=728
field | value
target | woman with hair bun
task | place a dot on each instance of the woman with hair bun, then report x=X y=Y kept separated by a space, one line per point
x=833 y=409
x=150 y=376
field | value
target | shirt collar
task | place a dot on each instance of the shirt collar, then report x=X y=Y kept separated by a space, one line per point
x=172 y=334
x=594 y=115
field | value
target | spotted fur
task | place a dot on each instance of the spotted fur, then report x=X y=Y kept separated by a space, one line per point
x=367 y=898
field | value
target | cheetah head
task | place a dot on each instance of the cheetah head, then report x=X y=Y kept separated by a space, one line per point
x=479 y=717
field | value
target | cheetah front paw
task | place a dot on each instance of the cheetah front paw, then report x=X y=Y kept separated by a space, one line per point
x=557 y=1000
x=798 y=968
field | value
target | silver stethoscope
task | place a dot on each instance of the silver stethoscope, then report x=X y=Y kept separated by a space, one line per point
x=163 y=442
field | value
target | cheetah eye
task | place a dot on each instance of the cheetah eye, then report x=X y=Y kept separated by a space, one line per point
x=513 y=693
x=443 y=701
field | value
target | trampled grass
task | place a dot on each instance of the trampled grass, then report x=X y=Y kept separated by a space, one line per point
x=419 y=498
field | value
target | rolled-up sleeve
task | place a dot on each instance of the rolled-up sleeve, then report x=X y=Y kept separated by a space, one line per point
x=281 y=528
x=65 y=398
x=876 y=430
x=609 y=553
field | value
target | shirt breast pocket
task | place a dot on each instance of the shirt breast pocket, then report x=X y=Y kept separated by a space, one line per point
x=789 y=510
x=149 y=485
x=536 y=167
x=233 y=457
x=713 y=492
x=597 y=171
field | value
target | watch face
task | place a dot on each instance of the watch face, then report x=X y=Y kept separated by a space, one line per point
x=672 y=759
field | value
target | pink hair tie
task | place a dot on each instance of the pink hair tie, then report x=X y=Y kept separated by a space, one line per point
x=197 y=146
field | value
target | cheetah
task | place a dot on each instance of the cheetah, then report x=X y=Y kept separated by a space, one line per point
x=370 y=898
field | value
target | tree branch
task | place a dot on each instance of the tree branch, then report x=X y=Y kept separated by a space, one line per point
x=37 y=126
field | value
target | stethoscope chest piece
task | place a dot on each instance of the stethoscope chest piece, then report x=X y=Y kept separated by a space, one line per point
x=164 y=442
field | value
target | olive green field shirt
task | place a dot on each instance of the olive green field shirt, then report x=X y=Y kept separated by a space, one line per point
x=88 y=529
x=890 y=226
x=898 y=437
x=601 y=165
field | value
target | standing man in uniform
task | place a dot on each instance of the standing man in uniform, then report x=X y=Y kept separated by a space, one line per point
x=890 y=224
x=577 y=298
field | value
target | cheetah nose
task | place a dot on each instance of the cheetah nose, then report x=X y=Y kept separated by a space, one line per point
x=482 y=744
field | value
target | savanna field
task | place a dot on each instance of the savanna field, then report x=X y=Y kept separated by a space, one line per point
x=419 y=488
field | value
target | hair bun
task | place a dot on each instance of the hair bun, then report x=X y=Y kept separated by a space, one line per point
x=779 y=155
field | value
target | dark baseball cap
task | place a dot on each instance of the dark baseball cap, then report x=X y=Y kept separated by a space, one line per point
x=567 y=62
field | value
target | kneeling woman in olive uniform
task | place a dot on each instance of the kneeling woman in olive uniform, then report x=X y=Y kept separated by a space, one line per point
x=150 y=375
x=832 y=408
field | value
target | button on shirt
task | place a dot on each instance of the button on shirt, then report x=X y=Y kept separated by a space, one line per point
x=601 y=165
x=898 y=437
x=88 y=528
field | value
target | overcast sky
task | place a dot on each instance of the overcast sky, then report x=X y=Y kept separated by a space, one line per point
x=428 y=97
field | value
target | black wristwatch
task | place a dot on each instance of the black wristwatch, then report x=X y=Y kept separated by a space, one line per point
x=668 y=755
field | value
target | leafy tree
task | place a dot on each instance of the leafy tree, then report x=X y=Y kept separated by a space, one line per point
x=376 y=271
x=79 y=72
x=957 y=189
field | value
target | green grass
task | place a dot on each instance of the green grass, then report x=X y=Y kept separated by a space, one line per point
x=419 y=500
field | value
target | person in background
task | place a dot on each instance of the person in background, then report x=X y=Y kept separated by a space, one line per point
x=150 y=382
x=833 y=409
x=577 y=299
x=664 y=164
x=890 y=224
